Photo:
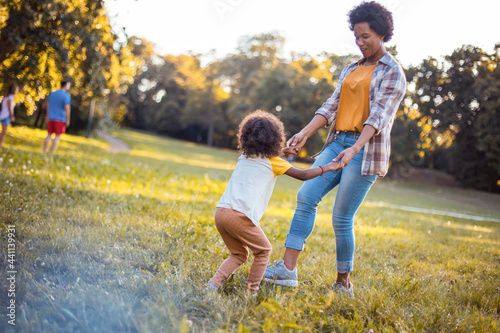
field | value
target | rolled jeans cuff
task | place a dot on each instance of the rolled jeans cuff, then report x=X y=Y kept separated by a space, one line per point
x=344 y=267
x=295 y=242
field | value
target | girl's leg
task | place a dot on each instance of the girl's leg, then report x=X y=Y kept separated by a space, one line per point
x=255 y=239
x=226 y=220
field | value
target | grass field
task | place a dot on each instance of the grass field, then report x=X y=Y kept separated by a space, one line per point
x=126 y=242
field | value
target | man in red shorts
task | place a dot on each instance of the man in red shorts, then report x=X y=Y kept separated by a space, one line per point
x=58 y=115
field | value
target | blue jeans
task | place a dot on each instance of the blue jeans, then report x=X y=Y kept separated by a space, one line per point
x=352 y=190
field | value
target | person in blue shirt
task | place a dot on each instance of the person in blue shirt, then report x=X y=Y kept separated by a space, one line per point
x=58 y=116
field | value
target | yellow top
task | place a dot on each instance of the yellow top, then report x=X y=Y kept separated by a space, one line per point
x=354 y=107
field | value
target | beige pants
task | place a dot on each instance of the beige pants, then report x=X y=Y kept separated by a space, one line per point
x=239 y=235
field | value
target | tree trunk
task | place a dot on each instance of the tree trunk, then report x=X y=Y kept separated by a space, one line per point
x=6 y=37
x=6 y=48
x=210 y=107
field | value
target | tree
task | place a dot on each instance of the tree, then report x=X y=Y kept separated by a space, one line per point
x=485 y=128
x=238 y=74
x=456 y=101
x=42 y=42
x=156 y=97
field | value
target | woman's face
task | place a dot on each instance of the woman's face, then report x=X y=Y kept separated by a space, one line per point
x=369 y=42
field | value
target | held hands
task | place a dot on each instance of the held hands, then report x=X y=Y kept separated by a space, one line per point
x=345 y=156
x=332 y=166
x=294 y=145
x=340 y=161
x=288 y=150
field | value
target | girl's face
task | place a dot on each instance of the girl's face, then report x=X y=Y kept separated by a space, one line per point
x=369 y=42
x=16 y=90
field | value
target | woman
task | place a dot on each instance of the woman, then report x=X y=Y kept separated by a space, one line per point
x=360 y=112
x=7 y=110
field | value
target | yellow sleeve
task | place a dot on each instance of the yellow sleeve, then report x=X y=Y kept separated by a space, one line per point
x=279 y=165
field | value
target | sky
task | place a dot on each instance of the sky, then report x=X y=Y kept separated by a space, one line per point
x=422 y=28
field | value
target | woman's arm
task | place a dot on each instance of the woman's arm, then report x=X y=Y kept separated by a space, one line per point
x=313 y=172
x=298 y=140
x=10 y=107
x=326 y=115
x=346 y=155
x=386 y=101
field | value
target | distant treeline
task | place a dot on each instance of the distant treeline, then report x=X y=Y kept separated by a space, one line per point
x=449 y=119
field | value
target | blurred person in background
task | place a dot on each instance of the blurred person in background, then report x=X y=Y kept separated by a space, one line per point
x=58 y=116
x=7 y=110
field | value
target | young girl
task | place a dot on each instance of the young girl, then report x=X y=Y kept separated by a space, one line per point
x=237 y=215
x=7 y=110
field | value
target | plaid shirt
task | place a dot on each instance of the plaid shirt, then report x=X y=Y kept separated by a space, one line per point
x=387 y=89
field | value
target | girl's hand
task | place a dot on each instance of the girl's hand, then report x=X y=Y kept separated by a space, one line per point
x=332 y=166
x=287 y=150
x=296 y=143
x=12 y=118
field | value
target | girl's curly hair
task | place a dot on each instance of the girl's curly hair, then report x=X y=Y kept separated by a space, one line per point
x=377 y=16
x=261 y=134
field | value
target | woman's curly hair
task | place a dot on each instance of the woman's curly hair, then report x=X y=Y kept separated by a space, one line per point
x=377 y=16
x=261 y=134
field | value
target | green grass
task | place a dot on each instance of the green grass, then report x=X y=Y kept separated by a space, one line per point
x=126 y=242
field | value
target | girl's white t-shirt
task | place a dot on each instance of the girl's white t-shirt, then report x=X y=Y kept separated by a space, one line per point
x=251 y=185
x=4 y=113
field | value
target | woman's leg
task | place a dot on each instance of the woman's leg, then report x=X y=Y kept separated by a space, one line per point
x=308 y=198
x=4 y=133
x=352 y=191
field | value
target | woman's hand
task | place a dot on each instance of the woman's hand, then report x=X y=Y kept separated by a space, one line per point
x=287 y=150
x=346 y=156
x=297 y=141
x=295 y=144
x=12 y=118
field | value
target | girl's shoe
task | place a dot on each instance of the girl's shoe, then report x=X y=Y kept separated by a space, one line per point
x=211 y=287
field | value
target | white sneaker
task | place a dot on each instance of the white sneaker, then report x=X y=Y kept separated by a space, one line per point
x=343 y=291
x=277 y=273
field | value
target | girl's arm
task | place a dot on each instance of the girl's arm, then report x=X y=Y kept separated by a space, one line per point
x=313 y=172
